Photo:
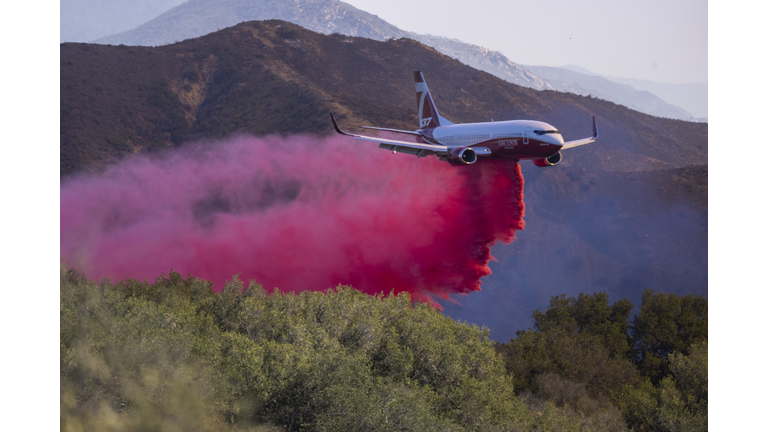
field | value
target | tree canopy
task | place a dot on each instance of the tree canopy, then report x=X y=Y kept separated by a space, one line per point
x=667 y=323
x=584 y=353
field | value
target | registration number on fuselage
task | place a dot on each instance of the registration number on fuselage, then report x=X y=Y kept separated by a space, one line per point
x=509 y=144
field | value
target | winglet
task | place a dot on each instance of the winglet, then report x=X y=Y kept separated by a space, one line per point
x=571 y=144
x=594 y=128
x=336 y=126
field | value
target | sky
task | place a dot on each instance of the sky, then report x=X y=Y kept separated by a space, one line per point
x=655 y=40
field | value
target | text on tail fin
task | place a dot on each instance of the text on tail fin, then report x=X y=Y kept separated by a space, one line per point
x=428 y=116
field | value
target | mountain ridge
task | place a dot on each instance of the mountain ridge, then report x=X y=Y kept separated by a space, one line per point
x=187 y=86
x=585 y=84
x=691 y=97
x=197 y=17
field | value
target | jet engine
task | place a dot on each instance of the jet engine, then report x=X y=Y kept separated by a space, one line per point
x=550 y=161
x=462 y=156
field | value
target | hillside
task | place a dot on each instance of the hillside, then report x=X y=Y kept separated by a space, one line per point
x=121 y=100
x=644 y=176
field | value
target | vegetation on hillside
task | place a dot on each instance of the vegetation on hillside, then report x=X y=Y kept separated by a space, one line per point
x=174 y=355
x=587 y=354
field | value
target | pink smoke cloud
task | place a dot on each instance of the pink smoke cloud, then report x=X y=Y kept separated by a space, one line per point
x=298 y=213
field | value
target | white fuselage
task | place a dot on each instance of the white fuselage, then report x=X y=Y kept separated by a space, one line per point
x=461 y=135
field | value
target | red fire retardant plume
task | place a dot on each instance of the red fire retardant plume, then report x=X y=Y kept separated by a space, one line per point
x=298 y=213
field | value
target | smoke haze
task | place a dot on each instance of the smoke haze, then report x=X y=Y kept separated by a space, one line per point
x=593 y=231
x=298 y=213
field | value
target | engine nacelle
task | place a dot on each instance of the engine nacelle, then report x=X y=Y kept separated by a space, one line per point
x=553 y=160
x=462 y=156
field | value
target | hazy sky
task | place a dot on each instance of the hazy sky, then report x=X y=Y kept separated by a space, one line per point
x=658 y=40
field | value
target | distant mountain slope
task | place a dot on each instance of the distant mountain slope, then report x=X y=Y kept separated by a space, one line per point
x=625 y=213
x=86 y=20
x=481 y=58
x=199 y=17
x=692 y=97
x=583 y=84
x=195 y=18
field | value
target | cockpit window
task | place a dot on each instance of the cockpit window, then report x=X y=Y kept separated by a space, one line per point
x=542 y=132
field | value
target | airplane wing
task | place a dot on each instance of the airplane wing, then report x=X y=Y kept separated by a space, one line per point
x=396 y=145
x=576 y=143
x=392 y=130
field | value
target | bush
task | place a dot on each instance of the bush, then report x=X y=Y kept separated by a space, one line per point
x=667 y=323
x=678 y=403
x=580 y=340
x=174 y=355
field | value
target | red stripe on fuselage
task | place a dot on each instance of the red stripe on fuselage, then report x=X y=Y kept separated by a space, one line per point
x=506 y=148
x=515 y=148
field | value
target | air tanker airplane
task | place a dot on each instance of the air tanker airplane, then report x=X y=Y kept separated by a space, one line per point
x=462 y=144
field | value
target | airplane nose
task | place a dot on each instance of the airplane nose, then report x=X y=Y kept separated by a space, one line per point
x=555 y=139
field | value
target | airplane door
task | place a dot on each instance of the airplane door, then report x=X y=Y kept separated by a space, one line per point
x=525 y=135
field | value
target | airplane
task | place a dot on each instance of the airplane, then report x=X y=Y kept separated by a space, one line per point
x=463 y=144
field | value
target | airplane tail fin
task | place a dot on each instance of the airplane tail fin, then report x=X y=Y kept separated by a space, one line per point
x=428 y=116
